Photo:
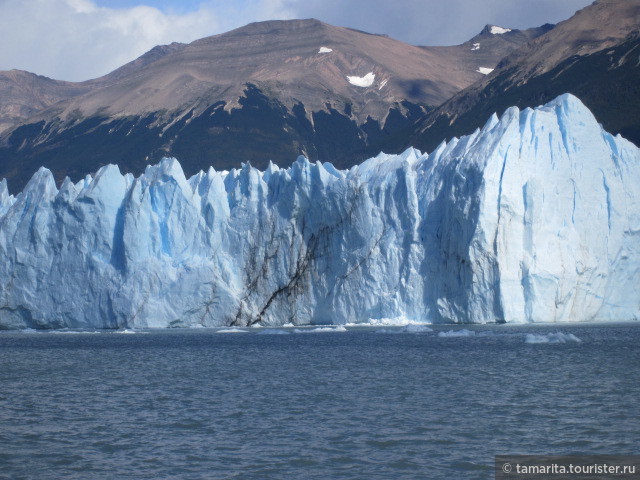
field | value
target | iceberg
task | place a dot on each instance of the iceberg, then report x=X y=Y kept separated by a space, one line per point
x=557 y=337
x=457 y=333
x=533 y=218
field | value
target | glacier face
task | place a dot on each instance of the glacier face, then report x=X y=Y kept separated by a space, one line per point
x=533 y=218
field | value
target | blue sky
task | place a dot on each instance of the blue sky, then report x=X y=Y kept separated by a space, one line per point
x=81 y=39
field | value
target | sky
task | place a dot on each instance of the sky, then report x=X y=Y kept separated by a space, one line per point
x=81 y=39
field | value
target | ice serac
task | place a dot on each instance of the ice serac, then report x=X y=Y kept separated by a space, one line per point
x=540 y=220
x=533 y=218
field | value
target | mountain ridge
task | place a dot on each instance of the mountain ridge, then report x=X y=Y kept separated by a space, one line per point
x=323 y=91
x=588 y=55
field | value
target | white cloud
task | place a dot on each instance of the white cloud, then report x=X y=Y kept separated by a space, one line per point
x=77 y=39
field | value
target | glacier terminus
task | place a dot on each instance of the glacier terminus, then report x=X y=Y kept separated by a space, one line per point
x=533 y=218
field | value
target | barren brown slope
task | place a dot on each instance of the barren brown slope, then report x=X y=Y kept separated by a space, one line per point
x=601 y=25
x=593 y=55
x=491 y=45
x=23 y=94
x=284 y=57
x=266 y=91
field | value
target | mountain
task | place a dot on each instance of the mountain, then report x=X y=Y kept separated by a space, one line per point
x=593 y=55
x=533 y=218
x=23 y=94
x=492 y=44
x=266 y=91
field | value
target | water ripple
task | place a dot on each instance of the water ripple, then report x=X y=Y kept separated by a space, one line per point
x=200 y=405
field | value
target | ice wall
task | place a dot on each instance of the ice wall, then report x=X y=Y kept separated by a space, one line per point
x=536 y=217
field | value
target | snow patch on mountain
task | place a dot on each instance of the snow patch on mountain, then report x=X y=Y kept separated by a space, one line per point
x=484 y=70
x=325 y=50
x=533 y=218
x=365 y=81
x=495 y=30
x=476 y=46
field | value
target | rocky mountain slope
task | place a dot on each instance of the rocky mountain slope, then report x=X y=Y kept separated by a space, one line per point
x=23 y=94
x=594 y=55
x=267 y=91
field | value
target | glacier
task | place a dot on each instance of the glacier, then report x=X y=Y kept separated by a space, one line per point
x=533 y=218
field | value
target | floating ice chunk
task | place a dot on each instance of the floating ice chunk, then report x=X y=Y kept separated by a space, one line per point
x=476 y=46
x=339 y=328
x=325 y=50
x=499 y=30
x=273 y=331
x=557 y=337
x=412 y=328
x=457 y=333
x=232 y=330
x=399 y=321
x=77 y=332
x=364 y=82
x=484 y=70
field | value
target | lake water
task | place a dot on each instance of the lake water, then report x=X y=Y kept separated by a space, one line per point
x=365 y=403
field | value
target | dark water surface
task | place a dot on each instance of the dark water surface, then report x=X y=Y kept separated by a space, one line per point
x=358 y=404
